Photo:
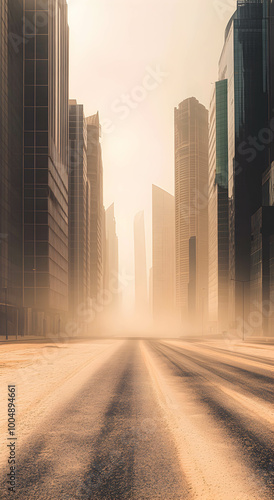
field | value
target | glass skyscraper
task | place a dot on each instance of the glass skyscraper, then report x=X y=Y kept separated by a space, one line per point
x=95 y=177
x=11 y=116
x=247 y=66
x=79 y=211
x=46 y=153
x=218 y=209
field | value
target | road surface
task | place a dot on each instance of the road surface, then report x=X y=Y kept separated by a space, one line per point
x=140 y=419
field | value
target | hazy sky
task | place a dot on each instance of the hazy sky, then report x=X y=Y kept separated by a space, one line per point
x=134 y=61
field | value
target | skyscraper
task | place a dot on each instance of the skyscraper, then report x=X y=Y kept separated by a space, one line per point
x=163 y=254
x=141 y=291
x=112 y=264
x=11 y=174
x=218 y=229
x=79 y=210
x=95 y=177
x=46 y=152
x=247 y=64
x=191 y=211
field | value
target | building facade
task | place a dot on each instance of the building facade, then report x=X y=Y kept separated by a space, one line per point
x=262 y=278
x=163 y=254
x=11 y=162
x=218 y=228
x=191 y=212
x=95 y=177
x=45 y=162
x=247 y=64
x=79 y=211
x=111 y=258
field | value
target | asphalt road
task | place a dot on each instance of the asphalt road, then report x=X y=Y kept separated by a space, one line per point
x=159 y=420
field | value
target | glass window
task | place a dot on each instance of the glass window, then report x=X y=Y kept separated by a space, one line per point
x=42 y=96
x=29 y=72
x=29 y=24
x=41 y=72
x=29 y=95
x=29 y=161
x=42 y=161
x=42 y=118
x=29 y=139
x=42 y=5
x=42 y=23
x=29 y=175
x=30 y=4
x=29 y=119
x=42 y=178
x=41 y=139
x=41 y=47
x=29 y=47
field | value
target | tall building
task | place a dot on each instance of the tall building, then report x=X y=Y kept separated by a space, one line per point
x=218 y=230
x=163 y=254
x=191 y=211
x=112 y=260
x=11 y=162
x=79 y=210
x=141 y=288
x=95 y=177
x=247 y=64
x=46 y=158
x=262 y=276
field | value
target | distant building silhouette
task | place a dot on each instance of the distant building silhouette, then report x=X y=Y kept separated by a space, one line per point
x=163 y=254
x=141 y=288
x=112 y=261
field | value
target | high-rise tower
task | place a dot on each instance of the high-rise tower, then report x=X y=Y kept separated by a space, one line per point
x=163 y=254
x=11 y=164
x=95 y=177
x=191 y=211
x=46 y=153
x=79 y=211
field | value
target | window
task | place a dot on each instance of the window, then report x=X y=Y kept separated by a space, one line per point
x=42 y=96
x=29 y=95
x=29 y=47
x=29 y=72
x=41 y=139
x=29 y=139
x=30 y=4
x=42 y=118
x=29 y=119
x=41 y=47
x=41 y=72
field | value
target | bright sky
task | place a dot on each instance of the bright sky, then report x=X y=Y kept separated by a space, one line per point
x=115 y=48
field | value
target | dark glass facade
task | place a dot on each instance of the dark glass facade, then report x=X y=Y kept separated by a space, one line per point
x=79 y=211
x=218 y=210
x=11 y=113
x=262 y=282
x=46 y=153
x=246 y=64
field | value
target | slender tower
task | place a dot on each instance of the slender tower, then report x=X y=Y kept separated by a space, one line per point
x=191 y=211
